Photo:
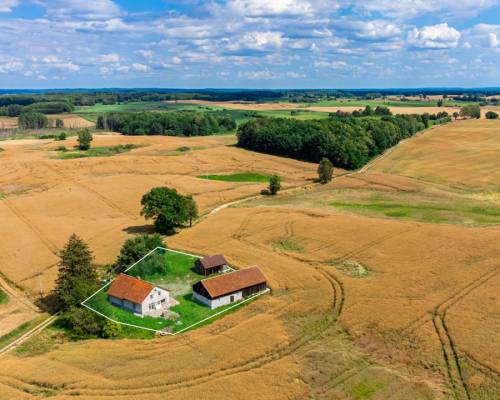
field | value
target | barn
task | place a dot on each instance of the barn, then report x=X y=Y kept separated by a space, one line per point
x=138 y=296
x=211 y=265
x=229 y=288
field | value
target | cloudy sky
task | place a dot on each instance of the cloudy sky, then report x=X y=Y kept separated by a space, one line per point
x=249 y=43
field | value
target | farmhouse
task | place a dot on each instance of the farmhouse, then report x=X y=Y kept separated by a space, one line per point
x=228 y=288
x=137 y=296
x=211 y=265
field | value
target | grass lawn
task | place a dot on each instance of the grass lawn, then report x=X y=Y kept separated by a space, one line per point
x=103 y=151
x=3 y=295
x=238 y=177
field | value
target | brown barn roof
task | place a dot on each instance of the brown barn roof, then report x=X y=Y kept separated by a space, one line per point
x=233 y=282
x=129 y=288
x=213 y=261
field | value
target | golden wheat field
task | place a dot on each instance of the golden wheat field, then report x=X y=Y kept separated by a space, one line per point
x=363 y=305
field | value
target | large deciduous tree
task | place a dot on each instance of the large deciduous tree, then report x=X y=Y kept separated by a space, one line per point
x=135 y=248
x=84 y=139
x=168 y=208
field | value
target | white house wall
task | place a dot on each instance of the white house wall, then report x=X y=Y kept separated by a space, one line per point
x=156 y=295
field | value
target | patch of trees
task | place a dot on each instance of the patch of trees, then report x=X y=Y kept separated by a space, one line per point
x=168 y=208
x=135 y=248
x=346 y=141
x=470 y=111
x=84 y=139
x=491 y=115
x=167 y=123
x=32 y=120
x=51 y=107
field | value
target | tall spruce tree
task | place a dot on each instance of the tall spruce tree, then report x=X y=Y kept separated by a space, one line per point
x=77 y=275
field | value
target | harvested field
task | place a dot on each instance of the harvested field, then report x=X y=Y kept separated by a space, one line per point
x=8 y=122
x=402 y=109
x=71 y=121
x=46 y=198
x=462 y=155
x=362 y=305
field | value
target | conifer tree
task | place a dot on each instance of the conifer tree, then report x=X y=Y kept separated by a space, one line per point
x=77 y=275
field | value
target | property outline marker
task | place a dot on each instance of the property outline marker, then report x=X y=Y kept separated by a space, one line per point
x=161 y=332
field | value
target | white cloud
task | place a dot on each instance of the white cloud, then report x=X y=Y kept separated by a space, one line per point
x=11 y=66
x=140 y=67
x=439 y=36
x=6 y=6
x=407 y=9
x=110 y=58
x=80 y=9
x=494 y=40
x=266 y=8
x=148 y=54
x=258 y=41
x=331 y=64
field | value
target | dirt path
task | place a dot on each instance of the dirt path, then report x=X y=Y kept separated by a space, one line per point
x=32 y=332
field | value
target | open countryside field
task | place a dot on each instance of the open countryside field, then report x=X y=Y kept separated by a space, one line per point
x=328 y=107
x=71 y=121
x=415 y=300
x=101 y=195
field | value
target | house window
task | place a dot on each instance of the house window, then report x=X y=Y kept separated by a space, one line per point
x=231 y=299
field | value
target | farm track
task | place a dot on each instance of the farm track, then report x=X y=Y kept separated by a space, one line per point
x=37 y=329
x=17 y=295
x=448 y=345
x=48 y=244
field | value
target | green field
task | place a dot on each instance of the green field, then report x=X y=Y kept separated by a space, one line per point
x=103 y=151
x=170 y=270
x=238 y=177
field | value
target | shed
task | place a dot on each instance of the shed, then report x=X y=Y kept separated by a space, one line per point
x=211 y=265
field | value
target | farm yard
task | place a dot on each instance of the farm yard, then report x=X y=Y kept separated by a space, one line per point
x=366 y=302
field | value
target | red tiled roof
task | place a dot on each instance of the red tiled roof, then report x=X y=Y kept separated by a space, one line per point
x=234 y=281
x=213 y=261
x=127 y=287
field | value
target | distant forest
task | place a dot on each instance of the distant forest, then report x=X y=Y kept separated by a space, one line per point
x=166 y=123
x=348 y=142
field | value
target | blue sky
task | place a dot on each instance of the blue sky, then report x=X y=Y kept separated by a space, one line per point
x=249 y=43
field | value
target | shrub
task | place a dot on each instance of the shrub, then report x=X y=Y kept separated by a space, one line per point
x=274 y=184
x=84 y=139
x=491 y=115
x=62 y=136
x=111 y=330
x=325 y=171
x=471 y=111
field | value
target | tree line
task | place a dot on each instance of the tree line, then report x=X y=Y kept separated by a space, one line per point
x=168 y=123
x=46 y=107
x=348 y=142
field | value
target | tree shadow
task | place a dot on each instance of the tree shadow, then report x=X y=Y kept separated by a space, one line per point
x=140 y=229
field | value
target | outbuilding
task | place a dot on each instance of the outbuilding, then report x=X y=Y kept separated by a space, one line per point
x=138 y=296
x=229 y=288
x=211 y=265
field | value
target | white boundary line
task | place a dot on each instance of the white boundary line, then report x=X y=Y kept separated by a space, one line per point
x=160 y=331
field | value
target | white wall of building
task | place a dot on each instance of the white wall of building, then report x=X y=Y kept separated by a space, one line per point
x=220 y=301
x=157 y=298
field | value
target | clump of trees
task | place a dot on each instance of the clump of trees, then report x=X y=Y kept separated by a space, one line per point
x=135 y=248
x=470 y=111
x=167 y=123
x=59 y=123
x=346 y=141
x=325 y=171
x=32 y=120
x=84 y=139
x=168 y=208
x=491 y=115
